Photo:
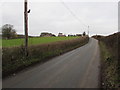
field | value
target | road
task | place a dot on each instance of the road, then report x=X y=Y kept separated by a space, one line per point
x=78 y=68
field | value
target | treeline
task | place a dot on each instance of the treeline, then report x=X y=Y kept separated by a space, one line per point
x=8 y=32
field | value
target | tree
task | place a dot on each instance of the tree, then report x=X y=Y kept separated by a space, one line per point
x=84 y=33
x=8 y=31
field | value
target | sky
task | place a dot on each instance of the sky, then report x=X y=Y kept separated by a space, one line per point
x=67 y=17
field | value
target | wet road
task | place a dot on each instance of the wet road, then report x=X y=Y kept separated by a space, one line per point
x=76 y=69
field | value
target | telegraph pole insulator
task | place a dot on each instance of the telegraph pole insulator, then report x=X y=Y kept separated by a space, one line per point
x=26 y=27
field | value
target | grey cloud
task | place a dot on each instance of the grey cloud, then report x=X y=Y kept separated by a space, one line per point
x=54 y=17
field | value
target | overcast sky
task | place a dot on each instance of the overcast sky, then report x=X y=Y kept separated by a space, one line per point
x=67 y=17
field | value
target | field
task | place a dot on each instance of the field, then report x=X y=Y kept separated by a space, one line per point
x=33 y=41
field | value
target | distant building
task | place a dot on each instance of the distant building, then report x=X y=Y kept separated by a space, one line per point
x=70 y=35
x=46 y=34
x=61 y=35
x=78 y=34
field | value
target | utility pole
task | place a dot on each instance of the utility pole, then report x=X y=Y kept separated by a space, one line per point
x=88 y=31
x=26 y=27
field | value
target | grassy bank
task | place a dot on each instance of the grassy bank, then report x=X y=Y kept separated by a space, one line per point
x=110 y=60
x=13 y=59
x=109 y=73
x=33 y=41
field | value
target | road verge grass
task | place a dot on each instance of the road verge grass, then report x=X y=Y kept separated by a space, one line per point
x=109 y=73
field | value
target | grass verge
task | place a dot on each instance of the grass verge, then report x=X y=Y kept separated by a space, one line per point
x=109 y=73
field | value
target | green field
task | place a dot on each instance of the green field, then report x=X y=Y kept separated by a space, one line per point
x=33 y=41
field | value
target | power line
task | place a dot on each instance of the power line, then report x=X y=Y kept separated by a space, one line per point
x=73 y=13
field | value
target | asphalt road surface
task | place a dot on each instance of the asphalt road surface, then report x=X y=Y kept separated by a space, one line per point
x=78 y=68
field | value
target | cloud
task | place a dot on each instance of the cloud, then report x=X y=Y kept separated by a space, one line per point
x=54 y=17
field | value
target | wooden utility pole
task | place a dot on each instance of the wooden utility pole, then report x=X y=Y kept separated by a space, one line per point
x=26 y=27
x=88 y=31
